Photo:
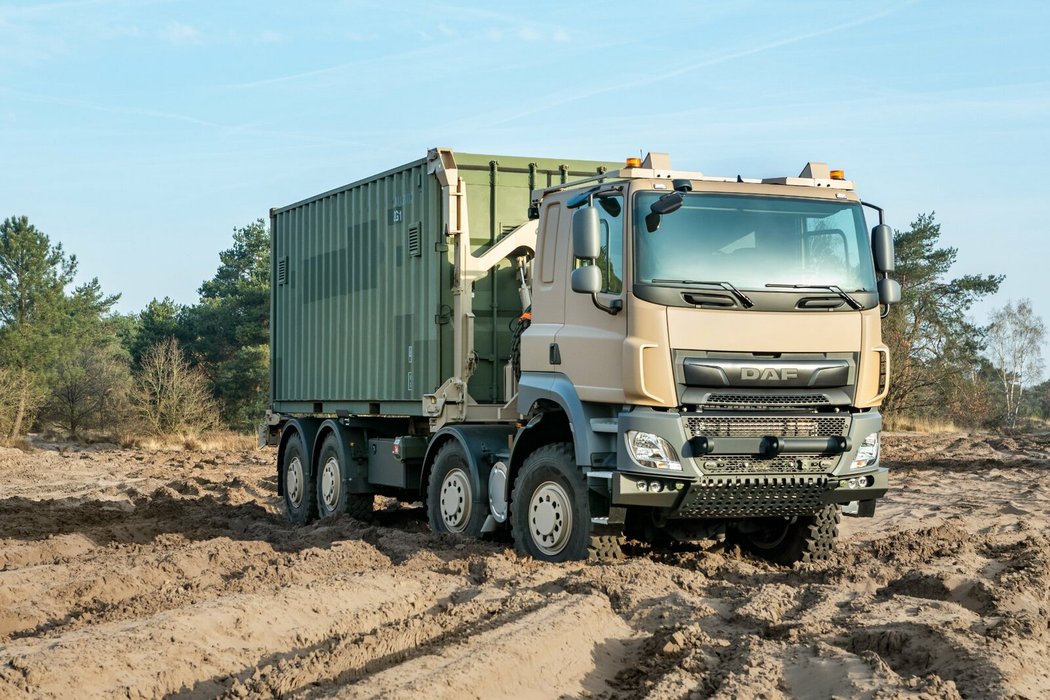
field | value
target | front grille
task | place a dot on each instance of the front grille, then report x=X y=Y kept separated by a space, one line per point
x=760 y=426
x=750 y=496
x=750 y=464
x=766 y=400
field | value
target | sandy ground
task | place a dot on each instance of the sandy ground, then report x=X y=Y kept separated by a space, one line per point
x=174 y=574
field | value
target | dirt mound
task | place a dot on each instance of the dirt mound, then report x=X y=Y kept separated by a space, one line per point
x=174 y=574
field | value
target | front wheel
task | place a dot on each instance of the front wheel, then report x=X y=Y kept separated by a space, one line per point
x=549 y=509
x=804 y=539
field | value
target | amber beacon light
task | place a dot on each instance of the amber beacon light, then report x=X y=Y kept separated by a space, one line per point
x=634 y=162
x=838 y=174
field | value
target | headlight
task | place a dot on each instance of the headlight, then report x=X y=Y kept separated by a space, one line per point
x=868 y=453
x=652 y=451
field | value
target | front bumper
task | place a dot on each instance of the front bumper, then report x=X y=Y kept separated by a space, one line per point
x=739 y=476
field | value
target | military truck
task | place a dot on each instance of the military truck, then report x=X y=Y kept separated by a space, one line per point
x=570 y=353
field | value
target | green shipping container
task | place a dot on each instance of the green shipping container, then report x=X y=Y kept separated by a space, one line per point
x=361 y=284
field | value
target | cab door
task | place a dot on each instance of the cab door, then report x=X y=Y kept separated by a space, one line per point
x=590 y=342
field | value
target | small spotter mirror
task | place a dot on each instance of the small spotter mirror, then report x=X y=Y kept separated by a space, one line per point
x=669 y=203
x=611 y=205
x=586 y=279
x=889 y=291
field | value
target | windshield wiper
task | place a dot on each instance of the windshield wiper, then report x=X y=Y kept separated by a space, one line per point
x=743 y=298
x=853 y=303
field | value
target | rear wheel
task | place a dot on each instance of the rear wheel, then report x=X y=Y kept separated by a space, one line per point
x=451 y=499
x=806 y=539
x=299 y=504
x=331 y=481
x=333 y=498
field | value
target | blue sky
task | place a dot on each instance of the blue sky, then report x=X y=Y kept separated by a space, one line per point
x=140 y=133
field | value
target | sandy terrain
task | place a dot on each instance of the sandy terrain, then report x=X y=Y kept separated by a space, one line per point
x=174 y=574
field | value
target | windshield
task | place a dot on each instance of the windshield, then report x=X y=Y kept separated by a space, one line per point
x=751 y=241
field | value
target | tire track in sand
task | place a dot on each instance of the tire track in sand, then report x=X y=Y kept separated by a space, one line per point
x=178 y=649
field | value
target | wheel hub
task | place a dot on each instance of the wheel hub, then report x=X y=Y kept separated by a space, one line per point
x=773 y=534
x=455 y=500
x=550 y=517
x=330 y=484
x=293 y=481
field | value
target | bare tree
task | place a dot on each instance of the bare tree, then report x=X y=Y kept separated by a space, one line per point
x=89 y=389
x=1015 y=340
x=171 y=396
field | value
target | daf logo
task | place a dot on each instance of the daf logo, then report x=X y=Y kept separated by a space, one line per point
x=768 y=373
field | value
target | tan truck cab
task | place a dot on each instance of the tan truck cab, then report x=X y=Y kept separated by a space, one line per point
x=714 y=344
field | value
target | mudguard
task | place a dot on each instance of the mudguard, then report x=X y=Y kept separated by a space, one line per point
x=483 y=446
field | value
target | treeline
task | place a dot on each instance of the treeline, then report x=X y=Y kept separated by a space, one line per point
x=945 y=369
x=71 y=365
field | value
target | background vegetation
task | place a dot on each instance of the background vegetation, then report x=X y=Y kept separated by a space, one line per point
x=69 y=364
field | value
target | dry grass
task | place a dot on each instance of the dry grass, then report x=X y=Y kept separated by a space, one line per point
x=919 y=425
x=216 y=441
x=19 y=444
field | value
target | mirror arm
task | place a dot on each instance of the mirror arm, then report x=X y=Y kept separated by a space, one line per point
x=614 y=307
x=882 y=214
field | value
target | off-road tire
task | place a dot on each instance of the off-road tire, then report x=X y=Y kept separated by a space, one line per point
x=356 y=505
x=361 y=506
x=450 y=475
x=806 y=539
x=303 y=510
x=819 y=540
x=552 y=469
x=330 y=457
x=606 y=548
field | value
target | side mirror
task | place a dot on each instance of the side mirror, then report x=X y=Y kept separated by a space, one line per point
x=889 y=291
x=586 y=233
x=587 y=279
x=882 y=248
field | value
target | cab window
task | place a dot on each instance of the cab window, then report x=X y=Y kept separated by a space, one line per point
x=610 y=259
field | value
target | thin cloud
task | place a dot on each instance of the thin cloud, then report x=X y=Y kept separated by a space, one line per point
x=247 y=128
x=559 y=99
x=179 y=34
x=95 y=107
x=50 y=7
x=529 y=33
x=269 y=36
x=338 y=68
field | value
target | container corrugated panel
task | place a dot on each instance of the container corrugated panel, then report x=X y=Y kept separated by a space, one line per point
x=362 y=286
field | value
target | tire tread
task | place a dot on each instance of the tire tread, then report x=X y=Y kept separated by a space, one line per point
x=596 y=548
